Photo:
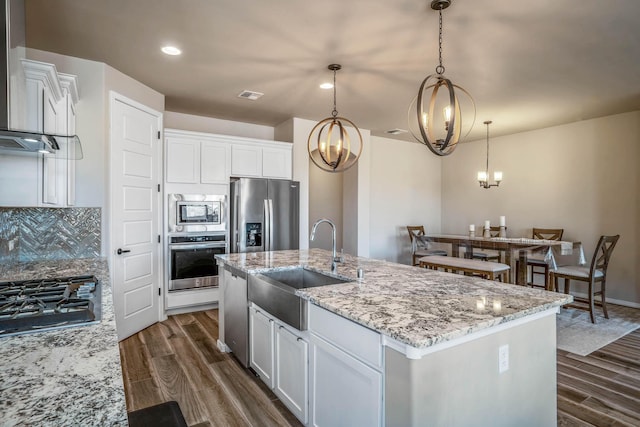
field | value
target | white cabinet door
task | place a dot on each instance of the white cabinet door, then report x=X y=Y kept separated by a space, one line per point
x=71 y=163
x=51 y=164
x=344 y=391
x=291 y=373
x=183 y=161
x=261 y=345
x=276 y=163
x=214 y=162
x=246 y=160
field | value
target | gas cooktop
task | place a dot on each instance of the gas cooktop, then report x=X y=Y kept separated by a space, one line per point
x=44 y=304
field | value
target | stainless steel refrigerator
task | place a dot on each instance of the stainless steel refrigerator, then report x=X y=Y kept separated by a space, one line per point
x=264 y=214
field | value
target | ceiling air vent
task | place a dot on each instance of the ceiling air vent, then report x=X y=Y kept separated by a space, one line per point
x=249 y=94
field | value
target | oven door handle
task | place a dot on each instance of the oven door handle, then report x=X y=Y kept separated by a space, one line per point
x=187 y=247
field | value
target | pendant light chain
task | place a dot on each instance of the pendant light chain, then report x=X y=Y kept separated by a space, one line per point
x=334 y=113
x=487 y=169
x=440 y=67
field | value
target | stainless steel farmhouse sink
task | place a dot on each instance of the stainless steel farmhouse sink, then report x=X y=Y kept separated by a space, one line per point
x=274 y=291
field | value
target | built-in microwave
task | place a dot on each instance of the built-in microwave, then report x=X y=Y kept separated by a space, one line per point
x=196 y=213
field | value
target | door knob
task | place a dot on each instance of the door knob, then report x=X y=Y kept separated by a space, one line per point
x=121 y=251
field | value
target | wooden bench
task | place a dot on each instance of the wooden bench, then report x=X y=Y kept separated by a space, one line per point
x=487 y=269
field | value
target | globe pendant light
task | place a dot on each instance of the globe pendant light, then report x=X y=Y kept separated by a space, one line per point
x=330 y=146
x=483 y=176
x=435 y=123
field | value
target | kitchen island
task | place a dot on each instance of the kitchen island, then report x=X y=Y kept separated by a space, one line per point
x=442 y=349
x=64 y=377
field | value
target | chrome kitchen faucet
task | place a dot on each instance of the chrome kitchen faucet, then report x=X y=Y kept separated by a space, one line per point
x=334 y=258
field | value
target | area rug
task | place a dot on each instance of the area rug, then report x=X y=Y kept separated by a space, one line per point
x=576 y=334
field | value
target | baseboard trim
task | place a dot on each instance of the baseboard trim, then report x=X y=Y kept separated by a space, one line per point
x=223 y=347
x=623 y=303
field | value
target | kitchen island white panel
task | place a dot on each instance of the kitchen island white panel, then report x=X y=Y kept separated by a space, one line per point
x=446 y=343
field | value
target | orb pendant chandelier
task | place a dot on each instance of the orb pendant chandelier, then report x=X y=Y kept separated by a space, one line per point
x=436 y=121
x=330 y=145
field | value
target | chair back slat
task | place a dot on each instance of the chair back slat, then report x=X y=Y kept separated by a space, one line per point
x=548 y=233
x=602 y=254
x=415 y=230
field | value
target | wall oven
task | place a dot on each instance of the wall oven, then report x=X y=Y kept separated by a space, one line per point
x=192 y=263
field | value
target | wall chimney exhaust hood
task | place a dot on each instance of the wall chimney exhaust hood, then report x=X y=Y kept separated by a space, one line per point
x=12 y=111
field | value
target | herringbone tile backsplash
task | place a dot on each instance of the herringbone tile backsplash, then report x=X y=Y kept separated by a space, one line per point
x=36 y=234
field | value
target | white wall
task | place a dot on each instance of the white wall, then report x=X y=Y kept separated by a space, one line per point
x=190 y=122
x=356 y=187
x=325 y=201
x=297 y=130
x=405 y=184
x=582 y=177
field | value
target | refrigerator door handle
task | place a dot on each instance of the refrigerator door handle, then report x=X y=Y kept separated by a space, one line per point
x=270 y=224
x=267 y=225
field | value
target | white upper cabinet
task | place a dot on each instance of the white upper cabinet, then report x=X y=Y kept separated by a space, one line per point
x=262 y=159
x=214 y=162
x=70 y=98
x=203 y=158
x=246 y=160
x=183 y=160
x=276 y=162
x=195 y=158
x=43 y=179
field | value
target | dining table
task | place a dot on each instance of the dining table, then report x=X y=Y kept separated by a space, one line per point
x=516 y=250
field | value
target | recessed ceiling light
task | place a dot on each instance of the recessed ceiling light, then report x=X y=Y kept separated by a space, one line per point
x=326 y=86
x=171 y=50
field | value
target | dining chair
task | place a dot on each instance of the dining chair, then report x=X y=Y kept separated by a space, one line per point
x=537 y=263
x=596 y=273
x=494 y=231
x=418 y=248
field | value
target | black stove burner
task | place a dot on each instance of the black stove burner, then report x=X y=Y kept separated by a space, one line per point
x=43 y=304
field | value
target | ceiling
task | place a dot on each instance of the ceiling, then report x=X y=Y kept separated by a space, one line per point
x=528 y=65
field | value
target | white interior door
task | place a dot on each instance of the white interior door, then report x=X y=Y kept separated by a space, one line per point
x=135 y=214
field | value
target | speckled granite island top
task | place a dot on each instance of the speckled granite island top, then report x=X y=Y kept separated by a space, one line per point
x=414 y=306
x=65 y=377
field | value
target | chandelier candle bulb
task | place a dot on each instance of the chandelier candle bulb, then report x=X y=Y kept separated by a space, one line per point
x=503 y=221
x=497 y=176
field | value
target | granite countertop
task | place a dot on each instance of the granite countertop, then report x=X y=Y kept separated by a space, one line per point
x=412 y=305
x=68 y=376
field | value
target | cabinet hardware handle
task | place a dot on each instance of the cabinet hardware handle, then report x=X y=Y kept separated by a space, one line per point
x=299 y=339
x=121 y=251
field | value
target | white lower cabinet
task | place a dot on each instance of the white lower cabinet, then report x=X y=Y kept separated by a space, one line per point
x=346 y=372
x=344 y=390
x=279 y=355
x=261 y=346
x=291 y=372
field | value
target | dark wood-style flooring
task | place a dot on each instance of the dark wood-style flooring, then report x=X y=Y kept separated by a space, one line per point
x=178 y=360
